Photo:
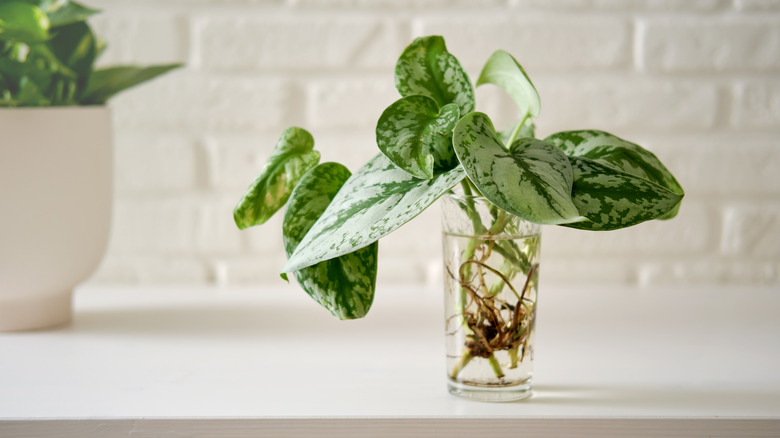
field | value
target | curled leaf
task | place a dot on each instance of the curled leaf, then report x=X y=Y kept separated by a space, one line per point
x=426 y=68
x=293 y=156
x=417 y=136
x=503 y=70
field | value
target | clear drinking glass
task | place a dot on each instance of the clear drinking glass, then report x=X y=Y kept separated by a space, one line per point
x=491 y=275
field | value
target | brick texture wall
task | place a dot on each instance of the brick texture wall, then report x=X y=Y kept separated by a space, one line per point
x=696 y=81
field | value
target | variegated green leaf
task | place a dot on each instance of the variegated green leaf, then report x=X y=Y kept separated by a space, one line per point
x=527 y=130
x=292 y=157
x=533 y=182
x=426 y=68
x=619 y=154
x=375 y=201
x=504 y=71
x=417 y=137
x=612 y=199
x=344 y=285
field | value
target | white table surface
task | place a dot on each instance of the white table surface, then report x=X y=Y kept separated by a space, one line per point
x=175 y=362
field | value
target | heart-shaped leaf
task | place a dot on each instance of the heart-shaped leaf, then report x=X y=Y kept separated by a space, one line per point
x=417 y=137
x=293 y=156
x=618 y=154
x=612 y=199
x=375 y=201
x=503 y=70
x=24 y=22
x=533 y=182
x=344 y=285
x=426 y=68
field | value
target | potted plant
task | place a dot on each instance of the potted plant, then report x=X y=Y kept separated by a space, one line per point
x=499 y=186
x=55 y=157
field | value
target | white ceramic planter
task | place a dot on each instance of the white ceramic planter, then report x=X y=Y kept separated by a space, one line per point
x=55 y=209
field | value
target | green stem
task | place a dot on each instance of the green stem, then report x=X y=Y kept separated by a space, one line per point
x=471 y=208
x=471 y=247
x=516 y=132
x=513 y=357
x=510 y=254
x=496 y=366
x=464 y=360
x=507 y=251
x=499 y=223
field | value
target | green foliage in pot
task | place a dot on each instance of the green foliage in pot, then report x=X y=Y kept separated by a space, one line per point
x=431 y=140
x=47 y=56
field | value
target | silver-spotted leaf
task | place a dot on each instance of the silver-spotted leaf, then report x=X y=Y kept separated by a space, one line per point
x=618 y=154
x=416 y=136
x=426 y=68
x=612 y=199
x=503 y=70
x=375 y=201
x=293 y=156
x=344 y=285
x=533 y=182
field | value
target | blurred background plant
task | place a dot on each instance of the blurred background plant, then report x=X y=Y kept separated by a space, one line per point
x=48 y=56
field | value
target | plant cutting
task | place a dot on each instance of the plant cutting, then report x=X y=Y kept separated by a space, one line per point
x=498 y=185
x=56 y=158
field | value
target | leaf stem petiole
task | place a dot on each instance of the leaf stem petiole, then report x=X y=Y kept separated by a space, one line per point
x=513 y=357
x=516 y=132
x=464 y=360
x=496 y=366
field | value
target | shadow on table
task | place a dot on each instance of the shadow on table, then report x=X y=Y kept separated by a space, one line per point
x=249 y=320
x=233 y=320
x=678 y=399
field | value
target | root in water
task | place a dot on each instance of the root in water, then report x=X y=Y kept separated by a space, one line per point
x=492 y=323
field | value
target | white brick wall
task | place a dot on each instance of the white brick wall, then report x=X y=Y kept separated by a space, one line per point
x=696 y=81
x=710 y=45
x=602 y=42
x=320 y=43
x=626 y=102
x=354 y=103
x=757 y=104
x=197 y=102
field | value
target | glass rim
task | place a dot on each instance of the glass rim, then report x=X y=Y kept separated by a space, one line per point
x=482 y=204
